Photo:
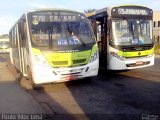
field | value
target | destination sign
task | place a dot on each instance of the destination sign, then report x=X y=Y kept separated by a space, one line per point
x=131 y=11
x=124 y=11
x=51 y=18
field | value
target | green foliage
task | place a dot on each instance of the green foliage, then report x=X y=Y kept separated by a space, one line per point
x=89 y=10
x=4 y=36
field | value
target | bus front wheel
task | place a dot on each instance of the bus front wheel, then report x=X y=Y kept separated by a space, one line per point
x=29 y=75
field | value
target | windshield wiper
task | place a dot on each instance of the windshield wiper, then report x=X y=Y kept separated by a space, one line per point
x=131 y=29
x=79 y=38
x=50 y=38
x=75 y=34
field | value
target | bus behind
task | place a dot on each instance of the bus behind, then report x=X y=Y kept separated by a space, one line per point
x=124 y=34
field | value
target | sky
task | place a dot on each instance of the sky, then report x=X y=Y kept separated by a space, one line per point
x=12 y=10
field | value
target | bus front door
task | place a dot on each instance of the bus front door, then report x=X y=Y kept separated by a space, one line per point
x=101 y=36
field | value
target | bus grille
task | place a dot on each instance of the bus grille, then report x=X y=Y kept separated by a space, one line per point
x=134 y=64
x=137 y=57
x=79 y=61
x=66 y=62
x=60 y=62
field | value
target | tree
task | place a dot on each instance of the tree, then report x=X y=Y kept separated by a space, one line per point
x=4 y=36
x=89 y=10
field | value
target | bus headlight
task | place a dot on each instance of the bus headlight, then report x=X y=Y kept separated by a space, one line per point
x=93 y=57
x=38 y=59
x=117 y=56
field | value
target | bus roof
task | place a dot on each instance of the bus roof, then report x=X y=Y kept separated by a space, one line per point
x=50 y=9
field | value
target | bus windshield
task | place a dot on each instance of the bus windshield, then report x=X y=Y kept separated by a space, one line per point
x=128 y=32
x=60 y=29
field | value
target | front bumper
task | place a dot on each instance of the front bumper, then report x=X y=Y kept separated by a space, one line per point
x=42 y=74
x=131 y=63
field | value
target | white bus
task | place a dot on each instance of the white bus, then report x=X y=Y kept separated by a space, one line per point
x=54 y=46
x=124 y=35
x=4 y=45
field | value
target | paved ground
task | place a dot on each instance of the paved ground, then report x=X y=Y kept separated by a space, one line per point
x=13 y=98
x=126 y=95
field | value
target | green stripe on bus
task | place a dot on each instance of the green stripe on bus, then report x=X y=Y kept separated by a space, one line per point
x=136 y=53
x=57 y=59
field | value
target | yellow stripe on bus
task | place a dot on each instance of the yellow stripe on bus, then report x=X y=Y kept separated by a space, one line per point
x=137 y=53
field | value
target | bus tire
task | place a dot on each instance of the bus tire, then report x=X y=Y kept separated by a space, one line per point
x=87 y=79
x=35 y=86
x=29 y=75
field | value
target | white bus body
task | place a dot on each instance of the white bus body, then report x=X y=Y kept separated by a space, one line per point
x=124 y=35
x=43 y=50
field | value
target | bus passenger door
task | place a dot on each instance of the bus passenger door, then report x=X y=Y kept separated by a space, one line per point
x=101 y=36
x=22 y=38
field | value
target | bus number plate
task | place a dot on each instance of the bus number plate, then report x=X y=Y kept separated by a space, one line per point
x=139 y=62
x=71 y=77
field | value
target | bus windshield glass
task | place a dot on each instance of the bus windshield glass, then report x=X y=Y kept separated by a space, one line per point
x=60 y=28
x=128 y=32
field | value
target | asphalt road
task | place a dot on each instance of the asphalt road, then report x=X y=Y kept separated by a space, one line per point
x=133 y=94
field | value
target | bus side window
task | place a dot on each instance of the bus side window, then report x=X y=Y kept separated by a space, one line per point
x=23 y=31
x=109 y=30
x=94 y=27
x=99 y=32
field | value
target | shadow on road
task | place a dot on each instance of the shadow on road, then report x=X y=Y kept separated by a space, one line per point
x=105 y=97
x=112 y=96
